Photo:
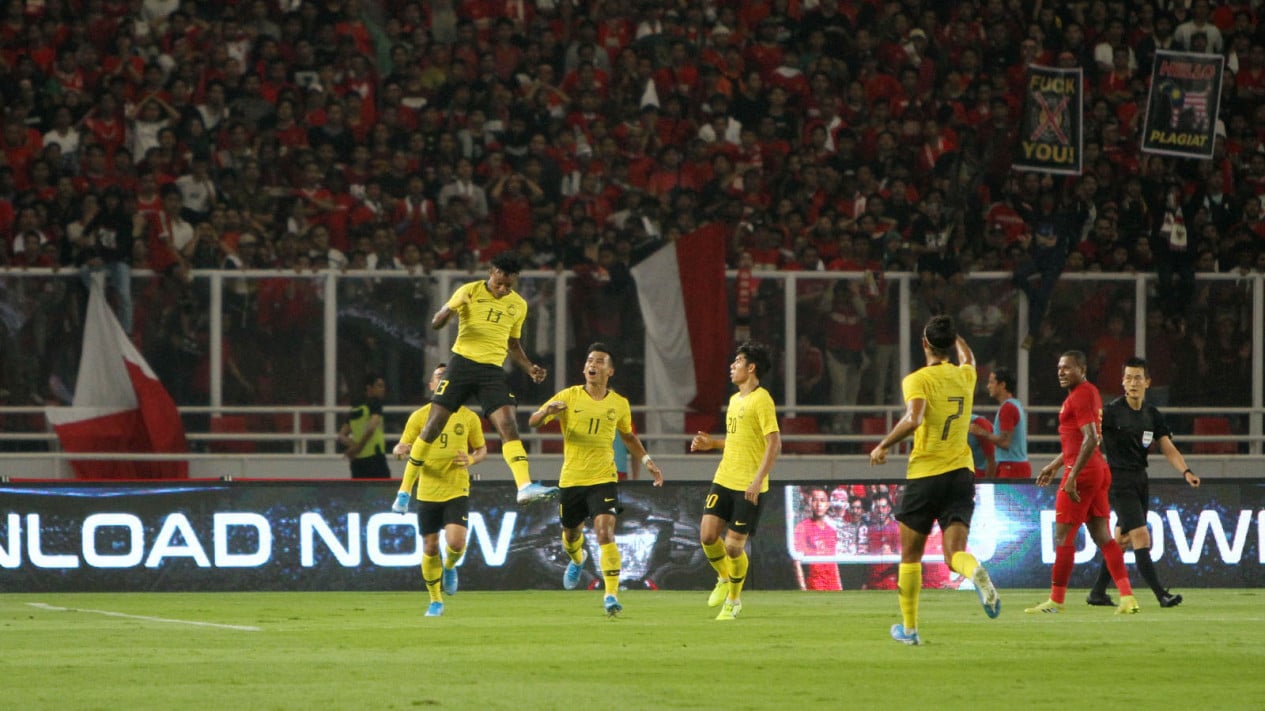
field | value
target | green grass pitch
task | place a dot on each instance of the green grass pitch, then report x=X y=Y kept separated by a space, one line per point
x=556 y=650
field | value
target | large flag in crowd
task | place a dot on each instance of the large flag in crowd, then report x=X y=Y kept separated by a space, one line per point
x=682 y=293
x=1050 y=129
x=1181 y=110
x=119 y=405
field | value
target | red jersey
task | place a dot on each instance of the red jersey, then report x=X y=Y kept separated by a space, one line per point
x=818 y=538
x=1083 y=406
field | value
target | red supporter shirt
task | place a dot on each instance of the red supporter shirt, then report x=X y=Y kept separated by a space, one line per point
x=1083 y=406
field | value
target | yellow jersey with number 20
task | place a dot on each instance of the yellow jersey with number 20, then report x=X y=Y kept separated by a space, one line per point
x=748 y=421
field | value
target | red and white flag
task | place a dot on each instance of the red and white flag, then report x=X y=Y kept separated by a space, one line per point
x=119 y=405
x=684 y=303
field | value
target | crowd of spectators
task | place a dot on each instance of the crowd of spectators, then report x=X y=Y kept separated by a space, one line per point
x=848 y=135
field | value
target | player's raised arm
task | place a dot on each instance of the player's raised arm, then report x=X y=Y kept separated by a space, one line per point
x=441 y=317
x=965 y=355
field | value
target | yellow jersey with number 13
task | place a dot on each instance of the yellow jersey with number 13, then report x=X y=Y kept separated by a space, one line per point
x=486 y=323
x=940 y=441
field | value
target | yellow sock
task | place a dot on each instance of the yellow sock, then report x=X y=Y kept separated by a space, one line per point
x=610 y=567
x=737 y=575
x=452 y=557
x=413 y=470
x=574 y=548
x=715 y=553
x=909 y=585
x=516 y=457
x=432 y=573
x=964 y=564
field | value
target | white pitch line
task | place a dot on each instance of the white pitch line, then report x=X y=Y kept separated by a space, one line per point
x=147 y=618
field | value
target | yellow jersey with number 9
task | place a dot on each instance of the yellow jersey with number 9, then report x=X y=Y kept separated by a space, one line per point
x=486 y=323
x=940 y=441
x=441 y=479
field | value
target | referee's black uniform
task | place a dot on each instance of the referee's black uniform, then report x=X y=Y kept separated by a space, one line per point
x=1127 y=436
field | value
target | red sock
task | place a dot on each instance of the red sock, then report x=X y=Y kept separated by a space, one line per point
x=1115 y=565
x=1064 y=559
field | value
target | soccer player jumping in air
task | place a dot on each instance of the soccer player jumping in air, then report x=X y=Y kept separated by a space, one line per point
x=1082 y=495
x=491 y=317
x=941 y=476
x=590 y=415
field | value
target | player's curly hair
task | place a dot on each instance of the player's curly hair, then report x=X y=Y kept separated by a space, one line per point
x=507 y=263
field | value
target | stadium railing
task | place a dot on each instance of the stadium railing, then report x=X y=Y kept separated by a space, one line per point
x=282 y=350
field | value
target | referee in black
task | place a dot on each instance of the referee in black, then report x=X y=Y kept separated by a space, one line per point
x=1130 y=428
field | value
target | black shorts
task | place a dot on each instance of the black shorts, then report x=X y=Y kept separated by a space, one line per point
x=944 y=497
x=578 y=503
x=733 y=508
x=434 y=516
x=466 y=379
x=1129 y=494
x=371 y=467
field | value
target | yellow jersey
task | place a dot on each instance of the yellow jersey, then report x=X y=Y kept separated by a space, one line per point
x=588 y=431
x=441 y=479
x=486 y=323
x=940 y=441
x=750 y=419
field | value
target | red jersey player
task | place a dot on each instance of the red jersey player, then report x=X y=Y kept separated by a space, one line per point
x=1082 y=495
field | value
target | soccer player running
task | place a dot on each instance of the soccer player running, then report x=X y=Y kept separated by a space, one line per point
x=940 y=475
x=1130 y=427
x=443 y=491
x=491 y=317
x=1082 y=495
x=1010 y=428
x=590 y=415
x=751 y=446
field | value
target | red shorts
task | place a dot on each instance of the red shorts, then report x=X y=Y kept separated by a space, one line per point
x=1092 y=485
x=1014 y=470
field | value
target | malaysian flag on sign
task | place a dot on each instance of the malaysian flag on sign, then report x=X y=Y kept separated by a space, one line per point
x=1181 y=111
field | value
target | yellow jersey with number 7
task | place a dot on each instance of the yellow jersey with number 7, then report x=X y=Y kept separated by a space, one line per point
x=940 y=441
